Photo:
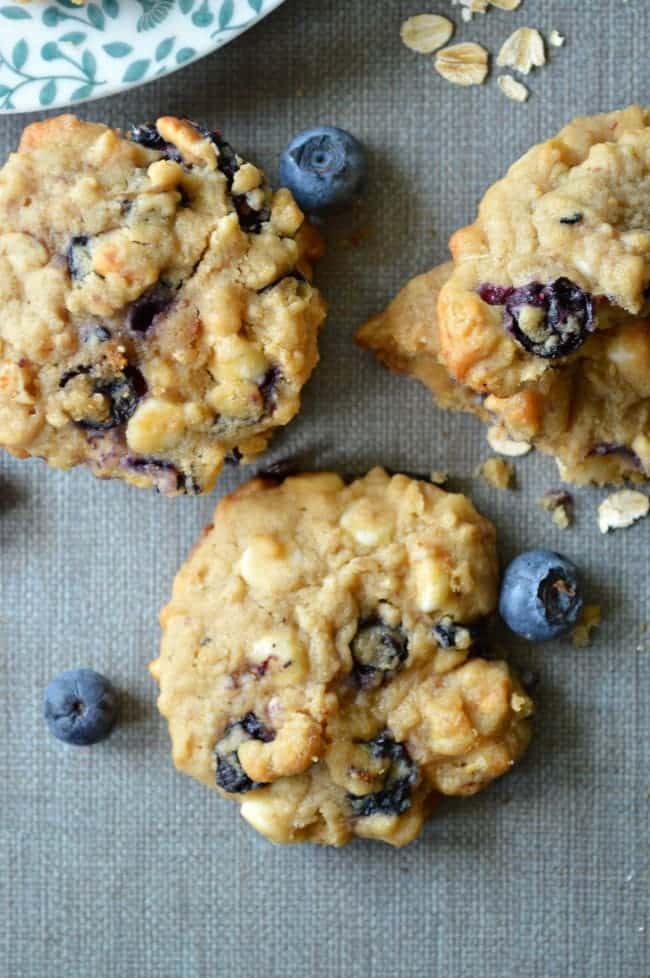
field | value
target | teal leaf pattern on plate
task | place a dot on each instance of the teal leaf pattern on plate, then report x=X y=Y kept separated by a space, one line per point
x=185 y=54
x=70 y=53
x=15 y=13
x=19 y=54
x=203 y=17
x=164 y=48
x=111 y=8
x=226 y=12
x=47 y=93
x=117 y=49
x=136 y=70
x=95 y=16
x=73 y=37
x=153 y=13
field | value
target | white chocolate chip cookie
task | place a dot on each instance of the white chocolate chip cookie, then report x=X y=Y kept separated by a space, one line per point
x=317 y=662
x=543 y=323
x=156 y=314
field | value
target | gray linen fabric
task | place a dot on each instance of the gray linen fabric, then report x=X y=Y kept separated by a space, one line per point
x=113 y=865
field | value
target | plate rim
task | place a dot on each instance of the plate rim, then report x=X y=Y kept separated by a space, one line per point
x=118 y=87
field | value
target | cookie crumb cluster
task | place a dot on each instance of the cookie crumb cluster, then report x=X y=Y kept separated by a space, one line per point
x=589 y=619
x=496 y=472
x=559 y=504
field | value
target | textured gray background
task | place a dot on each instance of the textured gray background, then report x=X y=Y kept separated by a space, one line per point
x=113 y=865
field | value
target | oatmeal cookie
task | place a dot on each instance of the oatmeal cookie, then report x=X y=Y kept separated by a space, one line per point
x=405 y=338
x=545 y=316
x=319 y=661
x=156 y=311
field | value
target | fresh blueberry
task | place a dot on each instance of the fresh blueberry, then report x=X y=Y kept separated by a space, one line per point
x=378 y=651
x=80 y=707
x=400 y=774
x=324 y=168
x=540 y=595
x=230 y=775
x=550 y=321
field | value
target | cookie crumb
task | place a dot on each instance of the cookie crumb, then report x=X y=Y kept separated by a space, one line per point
x=425 y=33
x=497 y=473
x=559 y=504
x=471 y=7
x=523 y=51
x=438 y=477
x=622 y=509
x=589 y=619
x=500 y=441
x=520 y=704
x=463 y=64
x=513 y=89
x=556 y=40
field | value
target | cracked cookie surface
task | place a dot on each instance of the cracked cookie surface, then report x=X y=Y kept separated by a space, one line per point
x=320 y=661
x=544 y=319
x=157 y=313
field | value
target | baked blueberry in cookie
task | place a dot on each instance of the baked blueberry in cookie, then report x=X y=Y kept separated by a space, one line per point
x=317 y=663
x=542 y=321
x=378 y=651
x=390 y=765
x=157 y=313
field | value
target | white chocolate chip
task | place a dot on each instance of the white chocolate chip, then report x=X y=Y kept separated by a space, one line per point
x=431 y=584
x=426 y=33
x=500 y=441
x=622 y=509
x=463 y=64
x=283 y=649
x=262 y=814
x=165 y=174
x=266 y=565
x=155 y=426
x=523 y=50
x=247 y=178
x=367 y=524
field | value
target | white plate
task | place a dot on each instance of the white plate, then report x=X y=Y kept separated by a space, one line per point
x=56 y=54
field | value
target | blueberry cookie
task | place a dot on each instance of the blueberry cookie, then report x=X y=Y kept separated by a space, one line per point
x=546 y=313
x=405 y=338
x=156 y=313
x=319 y=662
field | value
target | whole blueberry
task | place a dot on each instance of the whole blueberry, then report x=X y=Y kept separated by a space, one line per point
x=80 y=707
x=540 y=595
x=324 y=168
